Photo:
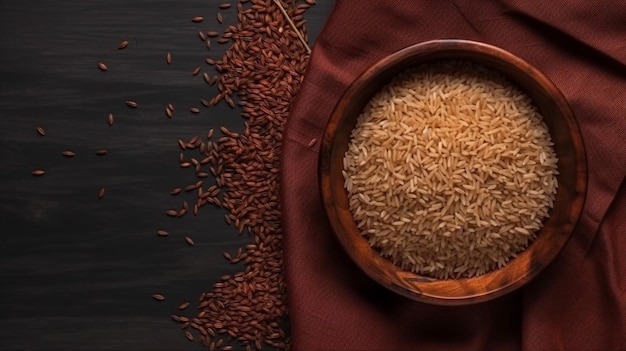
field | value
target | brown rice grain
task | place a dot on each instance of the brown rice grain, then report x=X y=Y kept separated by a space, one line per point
x=189 y=241
x=207 y=79
x=158 y=297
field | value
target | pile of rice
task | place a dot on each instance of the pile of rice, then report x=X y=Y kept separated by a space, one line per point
x=450 y=170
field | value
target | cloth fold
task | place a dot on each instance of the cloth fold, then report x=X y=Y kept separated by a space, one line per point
x=579 y=301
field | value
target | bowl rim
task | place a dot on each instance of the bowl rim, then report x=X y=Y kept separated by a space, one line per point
x=422 y=288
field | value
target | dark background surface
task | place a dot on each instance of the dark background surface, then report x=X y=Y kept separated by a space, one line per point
x=77 y=272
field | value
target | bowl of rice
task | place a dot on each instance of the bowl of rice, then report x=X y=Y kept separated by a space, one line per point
x=452 y=172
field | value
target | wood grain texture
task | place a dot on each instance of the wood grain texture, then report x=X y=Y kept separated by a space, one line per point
x=551 y=238
x=77 y=272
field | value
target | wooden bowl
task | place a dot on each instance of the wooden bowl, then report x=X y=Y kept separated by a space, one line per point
x=557 y=229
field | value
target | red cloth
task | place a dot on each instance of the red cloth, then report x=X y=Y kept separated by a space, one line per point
x=579 y=301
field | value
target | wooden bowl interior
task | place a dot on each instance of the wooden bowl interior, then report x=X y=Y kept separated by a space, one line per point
x=557 y=228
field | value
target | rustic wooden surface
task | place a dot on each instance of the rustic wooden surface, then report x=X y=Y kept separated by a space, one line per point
x=76 y=272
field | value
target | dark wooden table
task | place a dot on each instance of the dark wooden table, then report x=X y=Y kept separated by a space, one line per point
x=77 y=272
